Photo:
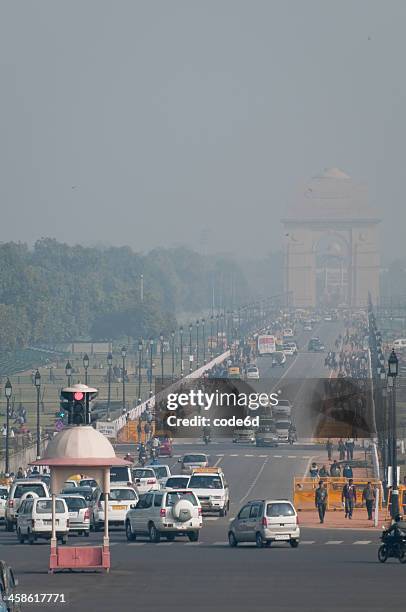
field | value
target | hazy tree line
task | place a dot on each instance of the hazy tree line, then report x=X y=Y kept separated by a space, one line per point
x=55 y=292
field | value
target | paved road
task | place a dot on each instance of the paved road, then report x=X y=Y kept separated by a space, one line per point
x=331 y=570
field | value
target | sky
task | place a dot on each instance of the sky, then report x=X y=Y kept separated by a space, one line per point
x=168 y=122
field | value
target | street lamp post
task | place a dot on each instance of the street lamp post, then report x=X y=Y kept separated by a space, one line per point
x=197 y=344
x=123 y=355
x=211 y=336
x=393 y=366
x=37 y=382
x=151 y=344
x=68 y=372
x=86 y=365
x=217 y=333
x=181 y=350
x=204 y=340
x=173 y=354
x=109 y=363
x=140 y=347
x=161 y=339
x=8 y=390
x=190 y=348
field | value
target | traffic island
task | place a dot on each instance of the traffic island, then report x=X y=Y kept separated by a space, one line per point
x=80 y=449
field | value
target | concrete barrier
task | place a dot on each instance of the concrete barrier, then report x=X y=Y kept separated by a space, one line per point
x=23 y=457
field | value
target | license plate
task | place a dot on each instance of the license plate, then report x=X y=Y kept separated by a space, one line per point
x=119 y=507
x=282 y=536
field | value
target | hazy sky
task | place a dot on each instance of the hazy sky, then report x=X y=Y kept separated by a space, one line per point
x=142 y=123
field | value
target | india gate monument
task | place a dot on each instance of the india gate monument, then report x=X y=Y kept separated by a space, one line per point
x=331 y=255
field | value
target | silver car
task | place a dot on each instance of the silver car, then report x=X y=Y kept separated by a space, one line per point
x=79 y=515
x=265 y=521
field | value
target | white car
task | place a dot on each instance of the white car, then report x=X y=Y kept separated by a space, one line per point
x=176 y=482
x=282 y=430
x=165 y=513
x=212 y=489
x=120 y=500
x=288 y=350
x=70 y=483
x=79 y=514
x=3 y=501
x=252 y=372
x=20 y=489
x=288 y=333
x=34 y=519
x=192 y=461
x=162 y=472
x=88 y=482
x=145 y=480
x=265 y=521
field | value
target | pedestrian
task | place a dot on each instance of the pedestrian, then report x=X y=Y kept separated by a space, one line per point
x=147 y=430
x=349 y=447
x=320 y=500
x=324 y=471
x=139 y=431
x=335 y=469
x=329 y=449
x=347 y=471
x=368 y=495
x=314 y=470
x=341 y=449
x=349 y=498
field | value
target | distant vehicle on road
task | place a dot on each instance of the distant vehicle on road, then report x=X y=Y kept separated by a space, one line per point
x=288 y=333
x=315 y=346
x=252 y=372
x=278 y=359
x=19 y=491
x=3 y=501
x=266 y=344
x=165 y=449
x=34 y=520
x=145 y=479
x=120 y=499
x=283 y=429
x=244 y=435
x=193 y=461
x=79 y=515
x=176 y=482
x=265 y=521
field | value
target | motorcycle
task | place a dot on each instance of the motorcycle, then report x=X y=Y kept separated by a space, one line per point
x=206 y=438
x=391 y=547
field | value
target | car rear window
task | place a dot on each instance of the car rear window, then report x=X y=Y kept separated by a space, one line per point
x=194 y=459
x=205 y=482
x=173 y=497
x=120 y=495
x=140 y=473
x=119 y=474
x=75 y=503
x=38 y=489
x=161 y=472
x=177 y=481
x=44 y=506
x=88 y=483
x=283 y=424
x=279 y=509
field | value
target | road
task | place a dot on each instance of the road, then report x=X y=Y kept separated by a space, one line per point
x=332 y=570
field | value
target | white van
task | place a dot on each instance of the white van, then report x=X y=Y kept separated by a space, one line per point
x=34 y=519
x=399 y=344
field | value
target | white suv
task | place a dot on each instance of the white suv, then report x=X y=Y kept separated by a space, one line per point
x=211 y=488
x=20 y=490
x=120 y=499
x=165 y=513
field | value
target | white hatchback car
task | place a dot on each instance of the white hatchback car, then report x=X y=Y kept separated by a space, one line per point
x=34 y=519
x=252 y=372
x=165 y=513
x=192 y=461
x=162 y=472
x=145 y=479
x=120 y=500
x=3 y=501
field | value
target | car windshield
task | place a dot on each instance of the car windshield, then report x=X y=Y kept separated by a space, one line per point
x=120 y=495
x=194 y=459
x=252 y=370
x=280 y=509
x=85 y=492
x=161 y=471
x=88 y=483
x=141 y=473
x=119 y=474
x=75 y=503
x=205 y=482
x=38 y=489
x=44 y=506
x=177 y=481
x=283 y=425
x=173 y=497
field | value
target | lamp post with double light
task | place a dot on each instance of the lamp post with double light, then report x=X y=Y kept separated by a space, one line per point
x=37 y=382
x=140 y=347
x=86 y=366
x=393 y=368
x=197 y=344
x=8 y=391
x=173 y=353
x=161 y=340
x=151 y=346
x=68 y=372
x=123 y=356
x=109 y=364
x=181 y=350
x=190 y=348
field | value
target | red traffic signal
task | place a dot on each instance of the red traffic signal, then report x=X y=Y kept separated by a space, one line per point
x=78 y=396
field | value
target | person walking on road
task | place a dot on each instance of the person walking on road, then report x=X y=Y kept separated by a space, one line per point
x=320 y=500
x=314 y=470
x=329 y=449
x=349 y=498
x=349 y=447
x=347 y=471
x=368 y=495
x=335 y=469
x=341 y=449
x=324 y=471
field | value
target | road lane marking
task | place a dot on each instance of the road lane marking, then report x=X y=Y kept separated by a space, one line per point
x=136 y=544
x=362 y=542
x=211 y=518
x=292 y=457
x=277 y=456
x=306 y=457
x=249 y=455
x=254 y=482
x=334 y=542
x=220 y=544
x=218 y=461
x=262 y=456
x=234 y=455
x=193 y=543
x=307 y=542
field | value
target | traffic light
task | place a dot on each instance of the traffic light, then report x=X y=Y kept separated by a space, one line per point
x=75 y=402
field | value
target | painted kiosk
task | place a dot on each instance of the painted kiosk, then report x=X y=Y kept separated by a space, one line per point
x=79 y=449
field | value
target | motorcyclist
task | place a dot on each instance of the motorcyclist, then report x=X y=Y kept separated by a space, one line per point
x=206 y=433
x=397 y=531
x=142 y=453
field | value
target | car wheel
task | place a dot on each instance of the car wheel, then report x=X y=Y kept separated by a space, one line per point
x=193 y=536
x=170 y=537
x=268 y=543
x=86 y=534
x=294 y=543
x=96 y=526
x=130 y=535
x=223 y=512
x=232 y=540
x=258 y=540
x=9 y=526
x=31 y=538
x=20 y=536
x=63 y=539
x=154 y=535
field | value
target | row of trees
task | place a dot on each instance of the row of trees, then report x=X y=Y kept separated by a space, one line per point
x=55 y=292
